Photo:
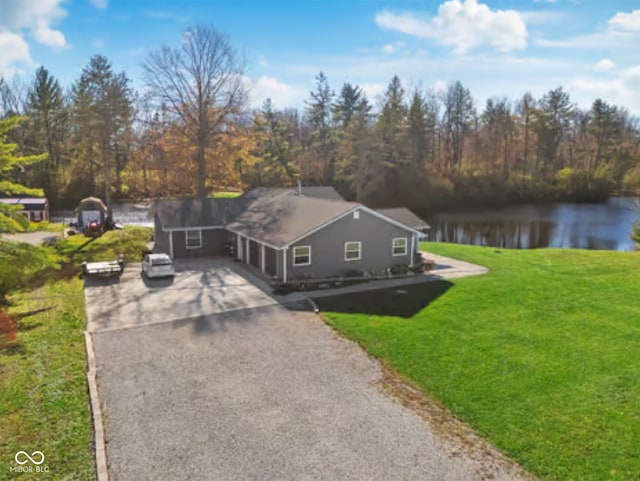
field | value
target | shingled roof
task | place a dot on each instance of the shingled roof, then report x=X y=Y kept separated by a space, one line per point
x=275 y=216
x=405 y=217
x=190 y=212
x=279 y=216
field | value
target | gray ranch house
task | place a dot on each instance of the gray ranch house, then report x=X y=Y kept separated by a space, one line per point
x=289 y=234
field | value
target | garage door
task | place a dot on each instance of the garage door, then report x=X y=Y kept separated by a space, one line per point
x=270 y=261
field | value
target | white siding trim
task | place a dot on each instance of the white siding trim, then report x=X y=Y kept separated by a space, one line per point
x=262 y=257
x=171 y=244
x=254 y=239
x=248 y=247
x=284 y=262
x=360 y=207
x=239 y=246
x=359 y=251
x=413 y=249
x=390 y=220
x=406 y=246
x=209 y=227
x=293 y=258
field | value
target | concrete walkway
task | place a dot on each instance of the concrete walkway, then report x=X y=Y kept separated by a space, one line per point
x=449 y=268
x=446 y=268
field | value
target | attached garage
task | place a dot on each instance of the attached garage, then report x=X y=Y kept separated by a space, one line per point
x=198 y=243
x=270 y=261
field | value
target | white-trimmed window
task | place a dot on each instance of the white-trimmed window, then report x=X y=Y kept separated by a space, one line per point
x=302 y=255
x=352 y=251
x=399 y=247
x=193 y=239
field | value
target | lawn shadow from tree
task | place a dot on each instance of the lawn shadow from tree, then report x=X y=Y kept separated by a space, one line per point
x=22 y=315
x=402 y=301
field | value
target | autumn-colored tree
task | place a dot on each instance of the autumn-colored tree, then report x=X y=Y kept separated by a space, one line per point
x=201 y=83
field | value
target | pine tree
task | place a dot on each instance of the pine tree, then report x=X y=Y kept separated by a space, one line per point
x=103 y=114
x=391 y=138
x=48 y=127
x=347 y=104
x=320 y=158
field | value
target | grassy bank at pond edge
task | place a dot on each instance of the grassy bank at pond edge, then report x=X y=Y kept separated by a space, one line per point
x=540 y=356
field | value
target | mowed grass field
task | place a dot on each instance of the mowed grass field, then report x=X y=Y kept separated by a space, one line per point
x=44 y=402
x=541 y=356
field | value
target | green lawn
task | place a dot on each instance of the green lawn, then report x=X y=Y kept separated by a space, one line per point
x=226 y=194
x=44 y=404
x=130 y=242
x=541 y=356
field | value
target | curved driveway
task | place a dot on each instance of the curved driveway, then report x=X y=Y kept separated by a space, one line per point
x=252 y=393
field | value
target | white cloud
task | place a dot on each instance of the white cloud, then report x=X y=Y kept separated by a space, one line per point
x=392 y=47
x=622 y=30
x=102 y=4
x=623 y=90
x=20 y=14
x=626 y=21
x=50 y=37
x=13 y=51
x=462 y=25
x=281 y=94
x=604 y=65
x=440 y=85
x=373 y=90
x=20 y=17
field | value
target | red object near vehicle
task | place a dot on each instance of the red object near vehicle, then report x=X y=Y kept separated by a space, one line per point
x=93 y=228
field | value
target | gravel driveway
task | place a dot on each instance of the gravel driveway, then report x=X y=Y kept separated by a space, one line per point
x=258 y=393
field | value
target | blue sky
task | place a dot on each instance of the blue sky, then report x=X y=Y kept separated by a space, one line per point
x=493 y=47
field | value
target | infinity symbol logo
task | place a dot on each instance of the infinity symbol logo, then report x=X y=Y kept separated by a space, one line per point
x=29 y=458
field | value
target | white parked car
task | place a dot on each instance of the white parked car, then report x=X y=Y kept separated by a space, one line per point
x=157 y=265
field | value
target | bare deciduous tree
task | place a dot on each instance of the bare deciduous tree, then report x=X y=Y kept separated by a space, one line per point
x=201 y=82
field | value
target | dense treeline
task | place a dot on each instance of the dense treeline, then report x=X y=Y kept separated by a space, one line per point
x=192 y=132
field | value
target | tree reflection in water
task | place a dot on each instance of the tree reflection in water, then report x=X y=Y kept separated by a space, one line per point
x=585 y=226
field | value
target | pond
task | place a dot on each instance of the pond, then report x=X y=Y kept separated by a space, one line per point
x=585 y=226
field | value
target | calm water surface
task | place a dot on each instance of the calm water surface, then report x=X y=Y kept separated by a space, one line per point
x=585 y=226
